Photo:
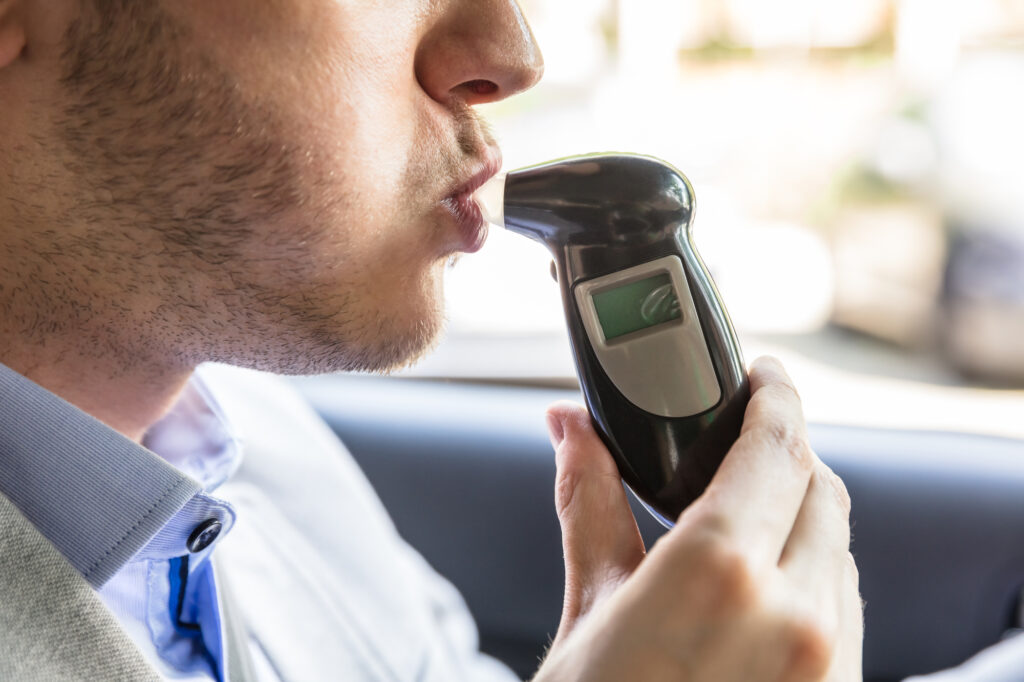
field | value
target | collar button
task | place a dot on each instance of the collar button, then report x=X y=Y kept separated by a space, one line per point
x=203 y=535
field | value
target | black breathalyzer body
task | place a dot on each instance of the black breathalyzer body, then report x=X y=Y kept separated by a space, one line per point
x=658 y=361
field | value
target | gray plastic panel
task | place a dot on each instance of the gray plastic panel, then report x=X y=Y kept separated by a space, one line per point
x=666 y=370
x=467 y=473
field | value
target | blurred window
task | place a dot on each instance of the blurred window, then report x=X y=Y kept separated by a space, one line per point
x=860 y=199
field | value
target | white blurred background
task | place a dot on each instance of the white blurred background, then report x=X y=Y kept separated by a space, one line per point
x=859 y=171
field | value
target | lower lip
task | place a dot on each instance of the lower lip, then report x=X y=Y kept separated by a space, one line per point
x=472 y=226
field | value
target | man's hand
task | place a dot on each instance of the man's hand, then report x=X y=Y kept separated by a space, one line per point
x=755 y=582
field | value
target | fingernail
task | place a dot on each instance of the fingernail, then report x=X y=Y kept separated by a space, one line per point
x=555 y=431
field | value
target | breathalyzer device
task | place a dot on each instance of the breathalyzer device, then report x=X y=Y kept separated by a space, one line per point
x=658 y=361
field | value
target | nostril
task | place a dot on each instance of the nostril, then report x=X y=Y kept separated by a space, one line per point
x=481 y=87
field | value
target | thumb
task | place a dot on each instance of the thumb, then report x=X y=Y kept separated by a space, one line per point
x=600 y=539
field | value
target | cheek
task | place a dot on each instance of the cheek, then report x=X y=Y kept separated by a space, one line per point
x=350 y=108
x=383 y=257
x=338 y=80
x=339 y=73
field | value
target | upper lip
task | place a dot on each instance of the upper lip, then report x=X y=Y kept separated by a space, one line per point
x=487 y=167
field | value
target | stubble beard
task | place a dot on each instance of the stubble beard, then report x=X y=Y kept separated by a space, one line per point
x=175 y=169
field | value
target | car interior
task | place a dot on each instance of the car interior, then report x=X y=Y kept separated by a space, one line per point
x=466 y=471
x=856 y=168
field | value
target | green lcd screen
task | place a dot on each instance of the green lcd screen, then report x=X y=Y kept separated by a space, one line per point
x=638 y=305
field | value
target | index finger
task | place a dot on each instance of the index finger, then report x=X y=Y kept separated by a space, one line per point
x=757 y=492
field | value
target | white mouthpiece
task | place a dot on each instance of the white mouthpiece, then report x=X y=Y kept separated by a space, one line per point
x=491 y=200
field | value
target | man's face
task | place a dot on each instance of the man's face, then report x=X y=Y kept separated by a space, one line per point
x=277 y=183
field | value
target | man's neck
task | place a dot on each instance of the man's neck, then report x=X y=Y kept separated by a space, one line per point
x=125 y=400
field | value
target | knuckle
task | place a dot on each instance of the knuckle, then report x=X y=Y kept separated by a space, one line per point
x=731 y=587
x=788 y=438
x=727 y=582
x=704 y=520
x=809 y=649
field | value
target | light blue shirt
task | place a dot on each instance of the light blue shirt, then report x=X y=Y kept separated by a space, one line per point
x=123 y=517
x=326 y=587
x=165 y=599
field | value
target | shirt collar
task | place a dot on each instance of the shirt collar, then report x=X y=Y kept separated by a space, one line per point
x=99 y=497
x=196 y=437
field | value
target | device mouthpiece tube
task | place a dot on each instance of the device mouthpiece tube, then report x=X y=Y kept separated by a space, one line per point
x=659 y=363
x=491 y=200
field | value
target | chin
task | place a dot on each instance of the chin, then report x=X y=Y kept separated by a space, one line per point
x=351 y=326
x=415 y=334
x=381 y=345
x=411 y=337
x=397 y=334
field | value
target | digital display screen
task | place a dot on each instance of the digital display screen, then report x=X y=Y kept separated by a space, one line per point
x=638 y=305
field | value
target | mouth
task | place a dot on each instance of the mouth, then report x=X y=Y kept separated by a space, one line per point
x=472 y=229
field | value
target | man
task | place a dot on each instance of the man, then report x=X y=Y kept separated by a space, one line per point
x=279 y=185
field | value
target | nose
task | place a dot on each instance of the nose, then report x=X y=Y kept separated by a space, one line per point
x=478 y=51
